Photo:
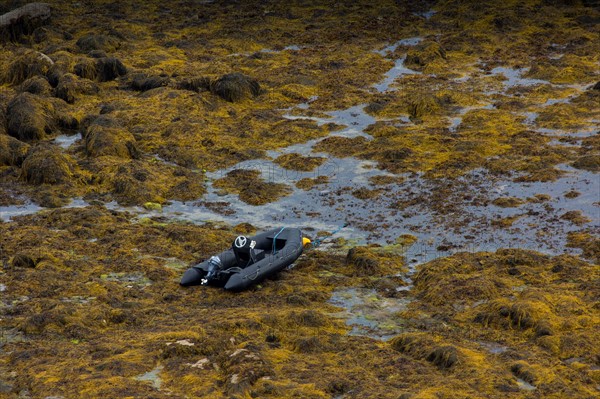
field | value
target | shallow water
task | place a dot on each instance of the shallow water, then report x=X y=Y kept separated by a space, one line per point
x=66 y=141
x=368 y=313
x=28 y=208
x=152 y=376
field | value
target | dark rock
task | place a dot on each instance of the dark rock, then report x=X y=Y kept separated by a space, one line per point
x=235 y=87
x=46 y=164
x=109 y=68
x=23 y=21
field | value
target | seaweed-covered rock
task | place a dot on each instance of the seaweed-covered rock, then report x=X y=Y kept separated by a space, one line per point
x=63 y=63
x=142 y=82
x=102 y=69
x=36 y=85
x=70 y=86
x=443 y=356
x=12 y=151
x=363 y=261
x=86 y=68
x=596 y=86
x=32 y=63
x=109 y=68
x=46 y=164
x=197 y=84
x=588 y=162
x=102 y=42
x=23 y=260
x=30 y=117
x=106 y=137
x=235 y=87
x=23 y=21
x=424 y=54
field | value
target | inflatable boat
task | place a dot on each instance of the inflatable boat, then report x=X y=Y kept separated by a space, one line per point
x=249 y=260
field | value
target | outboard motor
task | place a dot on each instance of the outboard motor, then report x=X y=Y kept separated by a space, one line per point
x=214 y=265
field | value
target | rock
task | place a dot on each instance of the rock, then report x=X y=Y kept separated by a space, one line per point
x=152 y=206
x=91 y=42
x=30 y=64
x=106 y=137
x=12 y=151
x=30 y=117
x=46 y=164
x=36 y=85
x=23 y=21
x=235 y=87
x=70 y=86
x=109 y=68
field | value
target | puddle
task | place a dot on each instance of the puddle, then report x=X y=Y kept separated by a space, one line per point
x=65 y=141
x=411 y=41
x=152 y=376
x=368 y=313
x=493 y=347
x=390 y=76
x=29 y=208
x=514 y=77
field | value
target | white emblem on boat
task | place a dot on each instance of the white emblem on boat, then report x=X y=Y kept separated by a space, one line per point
x=240 y=242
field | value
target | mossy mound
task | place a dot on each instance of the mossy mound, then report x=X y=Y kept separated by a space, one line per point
x=31 y=117
x=102 y=69
x=234 y=87
x=142 y=82
x=12 y=151
x=70 y=87
x=107 y=137
x=92 y=41
x=373 y=261
x=26 y=66
x=197 y=84
x=588 y=162
x=46 y=164
x=36 y=85
x=424 y=55
x=250 y=187
x=299 y=162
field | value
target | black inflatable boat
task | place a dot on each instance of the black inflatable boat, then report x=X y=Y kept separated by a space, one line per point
x=249 y=260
